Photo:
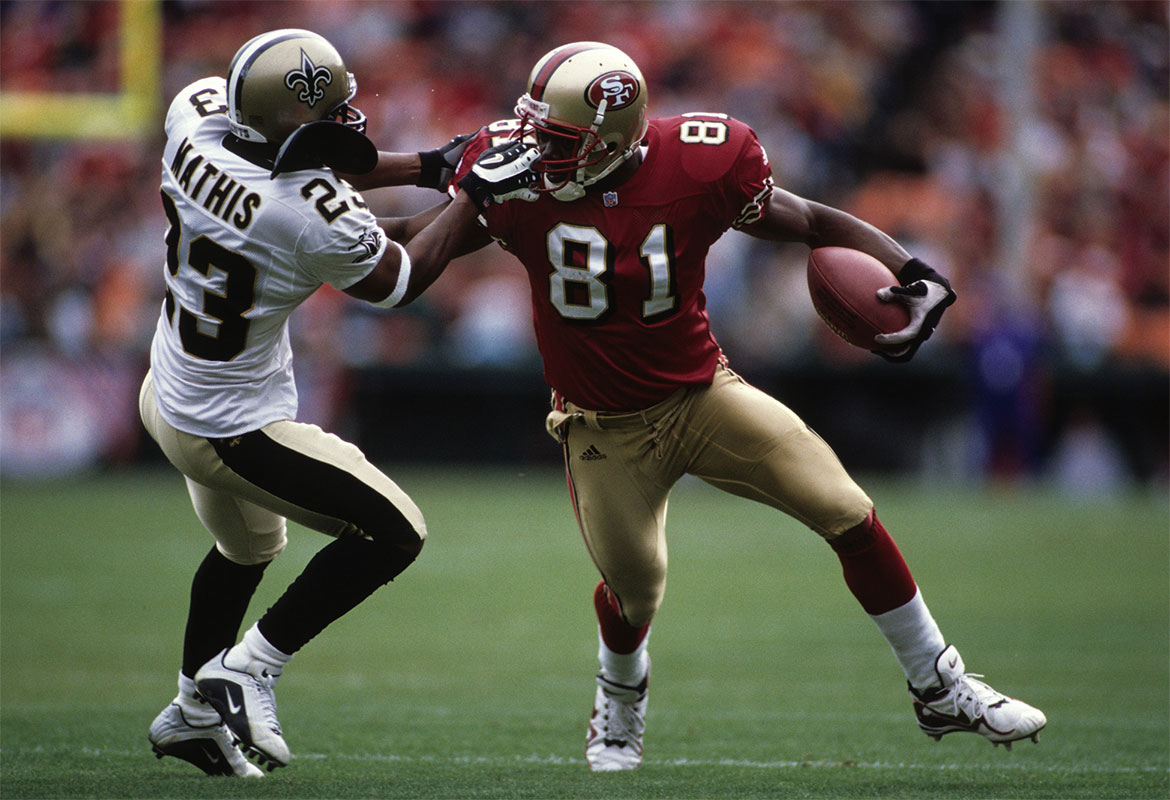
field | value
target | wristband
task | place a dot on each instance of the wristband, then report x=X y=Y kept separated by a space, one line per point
x=431 y=165
x=917 y=270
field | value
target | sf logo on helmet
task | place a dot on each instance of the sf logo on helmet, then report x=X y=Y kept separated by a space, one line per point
x=619 y=89
x=311 y=79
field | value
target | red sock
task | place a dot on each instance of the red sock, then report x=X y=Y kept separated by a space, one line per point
x=874 y=568
x=618 y=635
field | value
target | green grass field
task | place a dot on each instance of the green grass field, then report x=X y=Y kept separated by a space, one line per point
x=471 y=675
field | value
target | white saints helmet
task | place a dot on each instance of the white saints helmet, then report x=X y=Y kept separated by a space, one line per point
x=586 y=107
x=283 y=79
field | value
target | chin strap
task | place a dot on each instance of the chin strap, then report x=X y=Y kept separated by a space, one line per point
x=568 y=192
x=575 y=190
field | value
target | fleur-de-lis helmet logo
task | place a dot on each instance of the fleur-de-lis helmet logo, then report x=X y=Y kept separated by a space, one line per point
x=309 y=81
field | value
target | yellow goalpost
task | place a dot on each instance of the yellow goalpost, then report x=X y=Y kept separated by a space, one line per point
x=129 y=112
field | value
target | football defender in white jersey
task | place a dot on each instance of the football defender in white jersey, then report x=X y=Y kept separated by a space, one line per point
x=259 y=219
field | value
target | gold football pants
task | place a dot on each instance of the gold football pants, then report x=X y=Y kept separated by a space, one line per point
x=621 y=468
x=247 y=516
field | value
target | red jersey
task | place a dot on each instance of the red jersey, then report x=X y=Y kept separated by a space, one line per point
x=617 y=276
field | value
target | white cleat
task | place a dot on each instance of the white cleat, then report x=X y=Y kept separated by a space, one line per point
x=963 y=703
x=241 y=690
x=614 y=741
x=200 y=738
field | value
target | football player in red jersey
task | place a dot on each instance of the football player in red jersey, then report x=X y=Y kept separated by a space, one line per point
x=614 y=240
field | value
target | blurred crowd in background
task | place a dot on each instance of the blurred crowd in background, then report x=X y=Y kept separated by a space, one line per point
x=1022 y=149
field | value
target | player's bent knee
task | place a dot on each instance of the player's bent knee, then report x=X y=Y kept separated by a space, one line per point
x=857 y=538
x=411 y=545
x=400 y=534
x=394 y=557
x=250 y=558
x=255 y=548
x=851 y=509
x=638 y=604
x=641 y=616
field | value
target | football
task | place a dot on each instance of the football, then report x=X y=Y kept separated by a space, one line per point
x=843 y=285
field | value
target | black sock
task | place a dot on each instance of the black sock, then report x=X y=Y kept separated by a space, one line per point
x=342 y=575
x=220 y=593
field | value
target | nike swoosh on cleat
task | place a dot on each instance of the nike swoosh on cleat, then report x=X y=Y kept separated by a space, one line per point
x=231 y=703
x=961 y=721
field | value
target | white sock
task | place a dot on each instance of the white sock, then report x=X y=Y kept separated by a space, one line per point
x=255 y=647
x=627 y=669
x=915 y=638
x=195 y=711
x=186 y=688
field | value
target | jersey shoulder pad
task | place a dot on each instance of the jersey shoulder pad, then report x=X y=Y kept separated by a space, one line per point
x=707 y=145
x=341 y=240
x=201 y=100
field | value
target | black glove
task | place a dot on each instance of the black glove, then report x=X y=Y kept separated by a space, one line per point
x=926 y=294
x=502 y=173
x=438 y=165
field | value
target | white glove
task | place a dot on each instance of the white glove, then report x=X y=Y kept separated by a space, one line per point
x=926 y=295
x=502 y=173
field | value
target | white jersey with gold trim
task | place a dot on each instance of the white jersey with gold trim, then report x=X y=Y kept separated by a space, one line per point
x=243 y=251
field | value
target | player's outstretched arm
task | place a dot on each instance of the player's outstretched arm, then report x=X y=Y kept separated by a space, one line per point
x=432 y=238
x=393 y=169
x=791 y=218
x=430 y=169
x=499 y=174
x=925 y=292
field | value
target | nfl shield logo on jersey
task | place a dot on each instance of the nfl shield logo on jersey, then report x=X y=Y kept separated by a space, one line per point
x=610 y=199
